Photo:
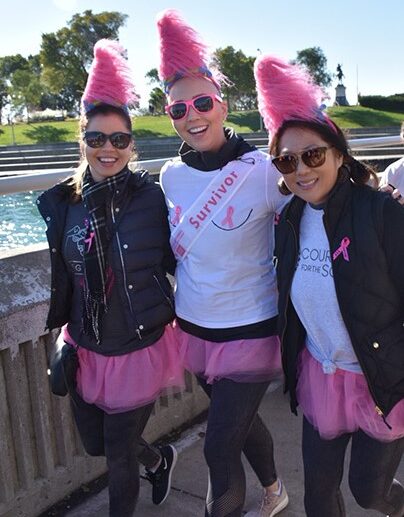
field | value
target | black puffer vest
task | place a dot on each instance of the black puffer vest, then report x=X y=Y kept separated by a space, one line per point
x=371 y=303
x=140 y=256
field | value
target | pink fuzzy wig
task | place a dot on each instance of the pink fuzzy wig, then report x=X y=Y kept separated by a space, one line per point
x=110 y=78
x=286 y=92
x=182 y=51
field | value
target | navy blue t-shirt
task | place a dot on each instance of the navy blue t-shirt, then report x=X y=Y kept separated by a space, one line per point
x=116 y=337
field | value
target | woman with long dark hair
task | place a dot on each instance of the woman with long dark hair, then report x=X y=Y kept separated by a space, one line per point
x=339 y=253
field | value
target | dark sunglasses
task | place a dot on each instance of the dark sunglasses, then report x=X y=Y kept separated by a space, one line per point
x=98 y=139
x=288 y=163
x=202 y=104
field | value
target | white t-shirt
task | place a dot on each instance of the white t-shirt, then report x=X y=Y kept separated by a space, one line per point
x=227 y=279
x=315 y=300
x=394 y=174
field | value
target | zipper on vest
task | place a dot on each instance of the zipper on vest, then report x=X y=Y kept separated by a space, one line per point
x=288 y=298
x=380 y=413
x=369 y=385
x=124 y=272
x=163 y=292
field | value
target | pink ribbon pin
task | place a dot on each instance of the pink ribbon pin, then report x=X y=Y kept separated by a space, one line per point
x=342 y=249
x=176 y=219
x=228 y=219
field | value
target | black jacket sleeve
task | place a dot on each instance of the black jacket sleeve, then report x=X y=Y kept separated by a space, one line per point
x=393 y=242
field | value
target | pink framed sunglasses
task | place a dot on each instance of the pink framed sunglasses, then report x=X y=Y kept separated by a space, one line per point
x=201 y=103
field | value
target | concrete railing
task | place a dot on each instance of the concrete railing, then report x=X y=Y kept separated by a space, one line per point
x=41 y=457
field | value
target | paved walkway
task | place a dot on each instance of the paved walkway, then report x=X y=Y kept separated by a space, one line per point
x=190 y=476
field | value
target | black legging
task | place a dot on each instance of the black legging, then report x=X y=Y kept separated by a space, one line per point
x=234 y=426
x=118 y=437
x=371 y=472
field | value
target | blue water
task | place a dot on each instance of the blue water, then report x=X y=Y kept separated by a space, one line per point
x=20 y=222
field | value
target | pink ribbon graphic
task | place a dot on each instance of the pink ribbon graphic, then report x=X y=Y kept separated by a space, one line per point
x=178 y=249
x=342 y=249
x=228 y=219
x=176 y=219
x=89 y=240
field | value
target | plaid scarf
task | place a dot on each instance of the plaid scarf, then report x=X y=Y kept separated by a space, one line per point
x=98 y=275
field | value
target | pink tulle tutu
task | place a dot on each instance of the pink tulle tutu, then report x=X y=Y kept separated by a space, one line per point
x=341 y=403
x=245 y=360
x=121 y=383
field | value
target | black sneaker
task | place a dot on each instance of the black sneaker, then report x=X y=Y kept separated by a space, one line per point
x=161 y=479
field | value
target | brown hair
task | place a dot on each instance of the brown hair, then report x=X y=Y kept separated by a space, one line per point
x=359 y=172
x=101 y=109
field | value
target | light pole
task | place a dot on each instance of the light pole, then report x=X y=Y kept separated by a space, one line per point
x=357 y=85
x=11 y=123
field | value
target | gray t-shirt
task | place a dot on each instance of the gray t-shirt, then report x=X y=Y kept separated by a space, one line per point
x=314 y=297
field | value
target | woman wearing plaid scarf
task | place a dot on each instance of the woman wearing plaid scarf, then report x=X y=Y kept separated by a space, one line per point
x=108 y=236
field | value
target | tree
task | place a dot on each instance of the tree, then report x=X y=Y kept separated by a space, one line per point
x=67 y=54
x=26 y=90
x=20 y=86
x=3 y=96
x=238 y=68
x=26 y=85
x=4 y=90
x=315 y=62
x=8 y=65
x=152 y=77
x=157 y=100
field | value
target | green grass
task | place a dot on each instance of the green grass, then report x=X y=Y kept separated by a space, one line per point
x=41 y=132
x=149 y=126
x=159 y=126
x=356 y=116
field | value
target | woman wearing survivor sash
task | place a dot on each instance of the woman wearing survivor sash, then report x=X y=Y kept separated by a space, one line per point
x=222 y=197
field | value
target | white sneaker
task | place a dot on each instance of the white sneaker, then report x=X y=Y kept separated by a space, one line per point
x=272 y=503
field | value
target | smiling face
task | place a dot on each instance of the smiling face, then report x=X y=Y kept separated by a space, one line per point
x=311 y=184
x=106 y=161
x=201 y=131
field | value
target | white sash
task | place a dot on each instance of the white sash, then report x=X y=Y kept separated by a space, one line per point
x=216 y=195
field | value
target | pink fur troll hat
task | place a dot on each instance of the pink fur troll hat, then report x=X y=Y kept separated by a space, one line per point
x=182 y=51
x=286 y=92
x=110 y=78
